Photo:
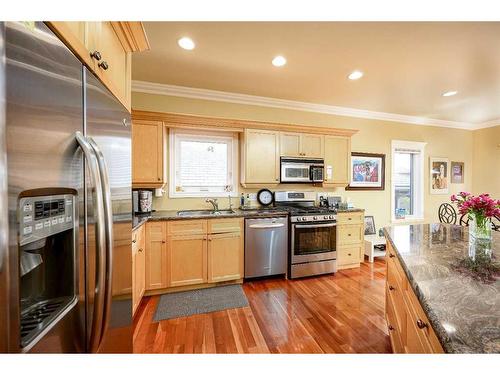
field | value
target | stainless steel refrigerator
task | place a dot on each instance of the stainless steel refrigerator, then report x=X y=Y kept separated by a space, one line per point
x=65 y=201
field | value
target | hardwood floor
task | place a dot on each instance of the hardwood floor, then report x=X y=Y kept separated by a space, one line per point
x=343 y=313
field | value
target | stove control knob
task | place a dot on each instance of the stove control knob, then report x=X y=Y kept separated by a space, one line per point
x=298 y=219
x=326 y=217
x=315 y=218
x=332 y=217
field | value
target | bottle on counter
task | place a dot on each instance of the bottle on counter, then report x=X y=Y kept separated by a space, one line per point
x=247 y=201
x=242 y=200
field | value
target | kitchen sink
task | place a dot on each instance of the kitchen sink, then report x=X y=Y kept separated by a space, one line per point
x=204 y=212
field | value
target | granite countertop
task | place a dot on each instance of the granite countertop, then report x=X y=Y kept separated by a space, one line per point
x=461 y=300
x=138 y=220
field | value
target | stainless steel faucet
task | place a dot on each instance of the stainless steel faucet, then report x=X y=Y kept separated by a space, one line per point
x=214 y=203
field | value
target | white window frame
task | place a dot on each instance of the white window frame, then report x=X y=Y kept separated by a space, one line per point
x=419 y=207
x=181 y=134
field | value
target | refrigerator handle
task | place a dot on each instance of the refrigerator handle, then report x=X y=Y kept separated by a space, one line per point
x=108 y=215
x=99 y=213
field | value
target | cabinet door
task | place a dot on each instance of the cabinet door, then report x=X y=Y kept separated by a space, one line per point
x=141 y=262
x=312 y=145
x=147 y=153
x=261 y=157
x=337 y=160
x=225 y=257
x=290 y=144
x=156 y=256
x=187 y=257
x=118 y=70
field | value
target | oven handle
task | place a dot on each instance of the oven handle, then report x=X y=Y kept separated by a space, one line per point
x=315 y=226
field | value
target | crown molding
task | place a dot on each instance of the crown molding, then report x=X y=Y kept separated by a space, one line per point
x=487 y=124
x=229 y=97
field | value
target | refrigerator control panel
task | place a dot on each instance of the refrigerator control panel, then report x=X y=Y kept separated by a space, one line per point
x=42 y=216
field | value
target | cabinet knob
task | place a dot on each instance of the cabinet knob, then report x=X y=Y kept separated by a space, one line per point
x=391 y=255
x=277 y=180
x=391 y=328
x=140 y=250
x=349 y=254
x=391 y=287
x=349 y=234
x=134 y=241
x=104 y=65
x=421 y=324
x=349 y=218
x=96 y=55
x=163 y=241
x=159 y=179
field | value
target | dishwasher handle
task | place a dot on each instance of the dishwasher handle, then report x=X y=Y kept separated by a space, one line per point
x=266 y=226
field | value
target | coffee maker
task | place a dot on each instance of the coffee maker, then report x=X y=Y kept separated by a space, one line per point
x=142 y=201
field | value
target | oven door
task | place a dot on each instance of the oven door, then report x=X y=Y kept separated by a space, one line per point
x=313 y=242
x=295 y=172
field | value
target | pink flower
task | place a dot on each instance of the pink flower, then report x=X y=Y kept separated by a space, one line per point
x=482 y=204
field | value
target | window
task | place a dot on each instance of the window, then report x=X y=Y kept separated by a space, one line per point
x=407 y=180
x=202 y=164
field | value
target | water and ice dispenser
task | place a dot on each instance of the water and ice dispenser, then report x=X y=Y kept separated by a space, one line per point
x=48 y=240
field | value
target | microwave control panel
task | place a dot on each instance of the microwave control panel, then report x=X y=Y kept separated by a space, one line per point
x=42 y=216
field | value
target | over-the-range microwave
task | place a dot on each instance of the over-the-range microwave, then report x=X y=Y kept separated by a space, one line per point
x=301 y=170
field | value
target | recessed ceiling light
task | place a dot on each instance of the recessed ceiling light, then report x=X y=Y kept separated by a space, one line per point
x=186 y=43
x=450 y=93
x=279 y=61
x=357 y=74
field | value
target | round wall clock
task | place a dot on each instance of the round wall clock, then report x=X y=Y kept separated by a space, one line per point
x=265 y=197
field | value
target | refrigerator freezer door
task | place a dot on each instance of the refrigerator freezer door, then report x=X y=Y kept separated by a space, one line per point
x=108 y=125
x=44 y=110
x=4 y=225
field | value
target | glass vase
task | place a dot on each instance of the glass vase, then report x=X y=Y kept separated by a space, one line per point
x=479 y=228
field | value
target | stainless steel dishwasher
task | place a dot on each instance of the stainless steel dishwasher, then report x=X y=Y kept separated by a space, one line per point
x=266 y=246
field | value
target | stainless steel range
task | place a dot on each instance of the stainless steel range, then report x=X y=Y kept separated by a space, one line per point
x=313 y=234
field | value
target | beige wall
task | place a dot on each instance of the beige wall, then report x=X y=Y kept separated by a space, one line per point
x=373 y=136
x=486 y=161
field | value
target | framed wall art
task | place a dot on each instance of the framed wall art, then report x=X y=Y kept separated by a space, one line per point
x=367 y=171
x=457 y=172
x=439 y=175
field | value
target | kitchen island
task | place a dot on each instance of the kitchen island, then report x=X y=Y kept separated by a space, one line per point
x=454 y=284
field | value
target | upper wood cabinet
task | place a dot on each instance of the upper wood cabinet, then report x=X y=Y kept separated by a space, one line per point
x=302 y=145
x=114 y=65
x=260 y=158
x=337 y=160
x=106 y=47
x=149 y=148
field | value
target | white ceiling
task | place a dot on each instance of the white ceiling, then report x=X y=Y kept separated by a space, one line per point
x=407 y=65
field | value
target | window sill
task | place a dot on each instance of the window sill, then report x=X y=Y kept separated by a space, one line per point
x=410 y=220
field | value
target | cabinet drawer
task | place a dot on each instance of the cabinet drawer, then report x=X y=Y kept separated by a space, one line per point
x=225 y=225
x=349 y=234
x=350 y=218
x=186 y=227
x=348 y=255
x=394 y=327
x=418 y=319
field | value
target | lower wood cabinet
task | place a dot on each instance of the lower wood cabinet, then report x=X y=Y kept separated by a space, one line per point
x=156 y=255
x=225 y=257
x=190 y=253
x=187 y=260
x=409 y=328
x=138 y=266
x=350 y=239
